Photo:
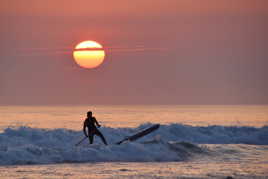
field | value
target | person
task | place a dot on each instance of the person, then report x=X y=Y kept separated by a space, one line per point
x=92 y=130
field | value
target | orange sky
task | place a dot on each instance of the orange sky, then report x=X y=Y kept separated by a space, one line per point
x=168 y=52
x=136 y=8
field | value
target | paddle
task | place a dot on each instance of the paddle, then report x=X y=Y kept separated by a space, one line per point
x=81 y=141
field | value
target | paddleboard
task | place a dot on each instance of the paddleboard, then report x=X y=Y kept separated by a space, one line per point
x=140 y=134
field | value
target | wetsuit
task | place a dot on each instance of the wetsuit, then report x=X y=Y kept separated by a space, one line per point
x=92 y=129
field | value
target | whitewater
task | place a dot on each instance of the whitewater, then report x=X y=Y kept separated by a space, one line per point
x=25 y=145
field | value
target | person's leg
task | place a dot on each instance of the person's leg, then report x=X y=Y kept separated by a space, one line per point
x=91 y=138
x=102 y=137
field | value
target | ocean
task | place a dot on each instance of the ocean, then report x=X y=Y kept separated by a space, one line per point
x=206 y=141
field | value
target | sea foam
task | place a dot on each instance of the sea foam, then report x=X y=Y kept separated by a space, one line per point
x=174 y=142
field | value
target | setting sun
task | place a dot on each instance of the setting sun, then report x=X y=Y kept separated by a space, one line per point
x=89 y=54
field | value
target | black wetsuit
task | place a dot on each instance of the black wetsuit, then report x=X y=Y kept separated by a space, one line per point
x=92 y=130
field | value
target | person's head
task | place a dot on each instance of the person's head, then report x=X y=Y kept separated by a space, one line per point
x=89 y=114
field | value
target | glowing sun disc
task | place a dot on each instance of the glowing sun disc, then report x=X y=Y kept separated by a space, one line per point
x=89 y=54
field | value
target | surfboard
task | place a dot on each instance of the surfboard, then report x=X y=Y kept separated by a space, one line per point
x=140 y=134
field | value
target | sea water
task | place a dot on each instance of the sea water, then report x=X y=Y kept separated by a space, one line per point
x=192 y=142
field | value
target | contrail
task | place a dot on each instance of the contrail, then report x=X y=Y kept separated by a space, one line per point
x=68 y=50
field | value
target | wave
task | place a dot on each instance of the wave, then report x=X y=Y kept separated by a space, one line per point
x=174 y=142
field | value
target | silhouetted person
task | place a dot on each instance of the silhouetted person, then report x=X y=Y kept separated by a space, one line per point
x=89 y=123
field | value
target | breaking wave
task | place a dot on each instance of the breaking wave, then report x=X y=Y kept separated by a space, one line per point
x=174 y=142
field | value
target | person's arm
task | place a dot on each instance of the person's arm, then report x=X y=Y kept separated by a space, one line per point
x=97 y=122
x=84 y=129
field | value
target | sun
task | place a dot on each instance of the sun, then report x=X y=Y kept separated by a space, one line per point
x=89 y=54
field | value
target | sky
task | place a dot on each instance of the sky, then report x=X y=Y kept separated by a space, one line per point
x=158 y=52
